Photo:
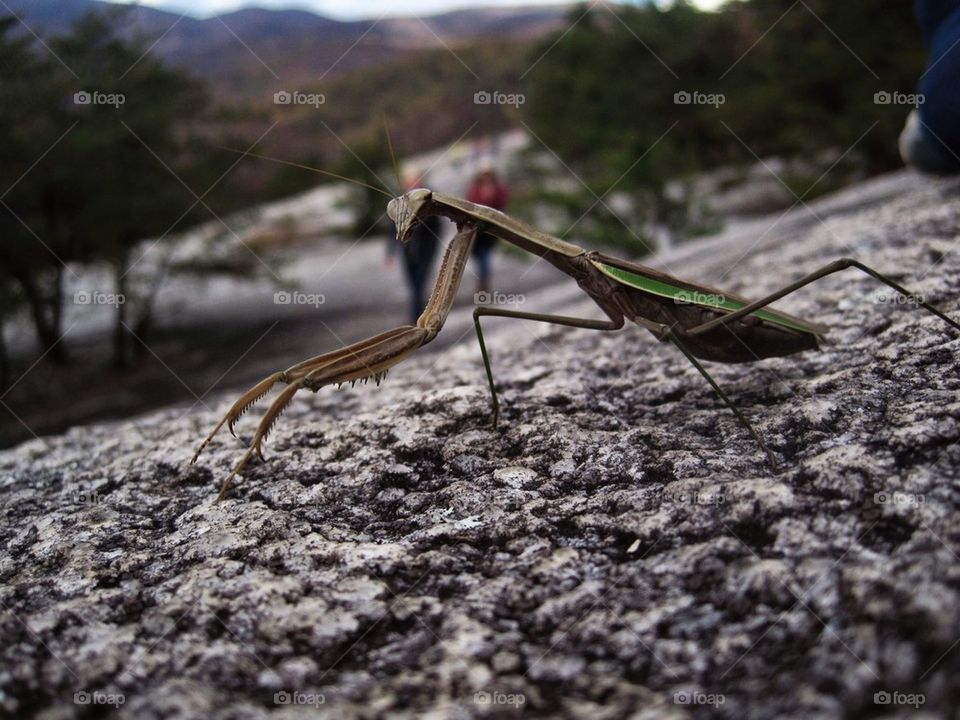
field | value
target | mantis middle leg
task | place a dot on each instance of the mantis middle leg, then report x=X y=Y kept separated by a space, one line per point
x=614 y=323
x=363 y=360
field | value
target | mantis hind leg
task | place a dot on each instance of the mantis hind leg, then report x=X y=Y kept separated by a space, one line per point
x=835 y=266
x=614 y=323
x=611 y=324
x=672 y=337
x=829 y=269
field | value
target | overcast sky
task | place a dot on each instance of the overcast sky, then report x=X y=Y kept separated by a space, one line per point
x=351 y=10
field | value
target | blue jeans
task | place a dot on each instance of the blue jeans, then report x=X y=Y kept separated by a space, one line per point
x=417 y=275
x=482 y=250
x=933 y=141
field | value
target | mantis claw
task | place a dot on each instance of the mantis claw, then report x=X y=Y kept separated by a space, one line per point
x=368 y=358
x=363 y=360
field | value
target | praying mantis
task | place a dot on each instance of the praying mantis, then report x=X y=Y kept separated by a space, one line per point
x=703 y=323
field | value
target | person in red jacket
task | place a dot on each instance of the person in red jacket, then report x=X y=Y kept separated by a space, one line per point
x=486 y=189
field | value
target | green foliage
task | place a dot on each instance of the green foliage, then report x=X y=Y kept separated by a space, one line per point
x=426 y=99
x=370 y=163
x=101 y=152
x=131 y=150
x=287 y=180
x=796 y=79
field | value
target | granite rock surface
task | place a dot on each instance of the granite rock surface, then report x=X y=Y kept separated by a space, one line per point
x=618 y=548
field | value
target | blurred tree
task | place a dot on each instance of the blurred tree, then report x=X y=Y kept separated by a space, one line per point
x=287 y=180
x=796 y=79
x=370 y=163
x=810 y=82
x=10 y=300
x=112 y=141
x=127 y=161
x=37 y=247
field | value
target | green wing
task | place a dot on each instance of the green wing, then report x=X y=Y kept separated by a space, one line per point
x=703 y=297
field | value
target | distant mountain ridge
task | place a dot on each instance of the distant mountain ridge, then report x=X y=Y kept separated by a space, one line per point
x=251 y=50
x=420 y=75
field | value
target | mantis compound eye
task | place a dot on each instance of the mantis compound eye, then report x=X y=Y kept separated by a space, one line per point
x=405 y=210
x=393 y=208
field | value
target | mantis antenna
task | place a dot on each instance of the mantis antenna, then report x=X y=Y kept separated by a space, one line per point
x=307 y=167
x=393 y=158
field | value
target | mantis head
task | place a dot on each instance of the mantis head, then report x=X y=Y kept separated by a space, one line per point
x=405 y=211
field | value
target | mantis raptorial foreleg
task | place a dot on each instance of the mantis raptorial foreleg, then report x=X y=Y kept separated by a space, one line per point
x=363 y=360
x=294 y=374
x=611 y=324
x=835 y=266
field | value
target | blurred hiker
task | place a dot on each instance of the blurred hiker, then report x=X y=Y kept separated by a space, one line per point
x=418 y=254
x=486 y=189
x=930 y=142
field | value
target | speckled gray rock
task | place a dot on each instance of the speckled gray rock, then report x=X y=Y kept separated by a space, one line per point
x=617 y=549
